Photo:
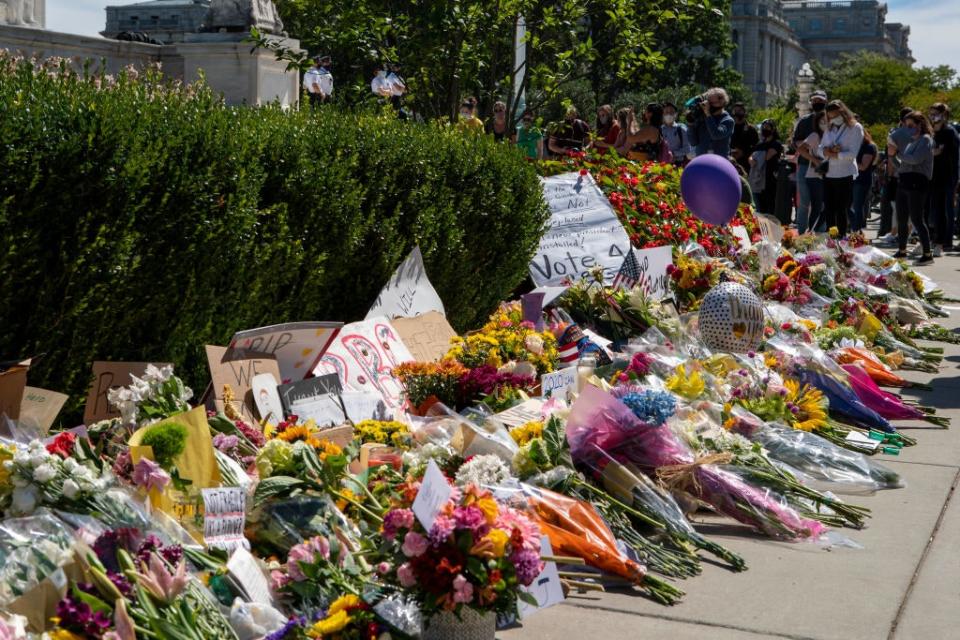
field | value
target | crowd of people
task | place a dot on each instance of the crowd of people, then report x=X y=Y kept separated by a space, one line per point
x=826 y=173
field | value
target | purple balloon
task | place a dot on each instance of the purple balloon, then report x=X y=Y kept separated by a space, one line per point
x=711 y=188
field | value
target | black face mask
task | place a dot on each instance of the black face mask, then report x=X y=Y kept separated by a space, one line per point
x=766 y=133
x=818 y=106
x=716 y=110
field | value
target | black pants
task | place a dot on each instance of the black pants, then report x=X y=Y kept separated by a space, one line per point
x=911 y=204
x=837 y=197
x=941 y=212
x=887 y=200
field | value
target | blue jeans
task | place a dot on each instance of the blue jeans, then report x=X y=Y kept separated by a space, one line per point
x=803 y=199
x=815 y=194
x=858 y=211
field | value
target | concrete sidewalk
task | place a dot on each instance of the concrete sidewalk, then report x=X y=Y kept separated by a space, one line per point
x=904 y=583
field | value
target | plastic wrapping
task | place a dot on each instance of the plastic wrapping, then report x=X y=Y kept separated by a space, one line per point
x=31 y=549
x=828 y=466
x=285 y=523
x=443 y=426
x=251 y=620
x=403 y=614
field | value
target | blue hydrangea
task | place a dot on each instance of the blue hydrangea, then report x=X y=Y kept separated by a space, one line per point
x=653 y=407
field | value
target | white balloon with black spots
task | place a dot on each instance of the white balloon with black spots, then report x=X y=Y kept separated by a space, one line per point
x=731 y=318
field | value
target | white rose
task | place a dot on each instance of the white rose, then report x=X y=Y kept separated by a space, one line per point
x=70 y=465
x=70 y=489
x=24 y=501
x=44 y=473
x=20 y=481
x=37 y=459
x=533 y=343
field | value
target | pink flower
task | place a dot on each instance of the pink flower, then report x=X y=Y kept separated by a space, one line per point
x=462 y=589
x=123 y=623
x=306 y=553
x=160 y=583
x=414 y=545
x=148 y=475
x=396 y=520
x=278 y=580
x=383 y=568
x=406 y=576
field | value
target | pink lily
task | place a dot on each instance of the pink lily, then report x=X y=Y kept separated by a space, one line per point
x=148 y=475
x=160 y=583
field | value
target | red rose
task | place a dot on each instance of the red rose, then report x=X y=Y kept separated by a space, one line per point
x=63 y=444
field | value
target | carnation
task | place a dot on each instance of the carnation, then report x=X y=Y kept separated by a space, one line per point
x=528 y=566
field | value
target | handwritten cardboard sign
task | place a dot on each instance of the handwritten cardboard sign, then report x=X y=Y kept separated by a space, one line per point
x=408 y=293
x=243 y=568
x=527 y=411
x=433 y=494
x=558 y=383
x=427 y=336
x=12 y=383
x=316 y=399
x=266 y=397
x=39 y=407
x=239 y=374
x=653 y=264
x=297 y=346
x=743 y=237
x=584 y=232
x=364 y=355
x=107 y=376
x=224 y=516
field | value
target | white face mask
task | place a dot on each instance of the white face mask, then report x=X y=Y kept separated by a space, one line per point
x=465 y=115
x=836 y=121
x=381 y=73
x=668 y=118
x=936 y=118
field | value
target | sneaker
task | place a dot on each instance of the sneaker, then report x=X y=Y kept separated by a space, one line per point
x=899 y=255
x=924 y=259
x=937 y=251
x=888 y=240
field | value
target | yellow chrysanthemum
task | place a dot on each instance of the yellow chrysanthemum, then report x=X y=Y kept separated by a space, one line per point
x=525 y=433
x=499 y=538
x=330 y=625
x=490 y=509
x=344 y=602
x=63 y=634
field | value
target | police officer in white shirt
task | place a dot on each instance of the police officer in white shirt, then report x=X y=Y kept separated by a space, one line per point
x=318 y=81
x=380 y=85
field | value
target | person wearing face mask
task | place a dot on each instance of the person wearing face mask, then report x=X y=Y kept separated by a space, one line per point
x=318 y=81
x=497 y=125
x=745 y=137
x=804 y=127
x=809 y=151
x=380 y=86
x=913 y=177
x=608 y=129
x=468 y=117
x=710 y=126
x=888 y=197
x=675 y=134
x=573 y=134
x=643 y=143
x=763 y=161
x=839 y=146
x=943 y=186
x=529 y=137
x=863 y=183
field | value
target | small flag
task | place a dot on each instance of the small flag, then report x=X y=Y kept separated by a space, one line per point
x=629 y=273
x=569 y=352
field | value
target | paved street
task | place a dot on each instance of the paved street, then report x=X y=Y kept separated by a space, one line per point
x=903 y=585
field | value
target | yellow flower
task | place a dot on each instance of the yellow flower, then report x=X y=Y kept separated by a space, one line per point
x=527 y=432
x=346 y=496
x=348 y=601
x=489 y=507
x=690 y=387
x=294 y=434
x=834 y=232
x=63 y=634
x=499 y=538
x=330 y=625
x=810 y=402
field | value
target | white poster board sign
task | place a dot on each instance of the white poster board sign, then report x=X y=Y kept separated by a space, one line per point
x=558 y=383
x=653 y=265
x=297 y=346
x=364 y=355
x=584 y=232
x=408 y=293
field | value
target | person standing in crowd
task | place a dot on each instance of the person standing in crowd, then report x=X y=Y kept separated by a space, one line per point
x=468 y=116
x=675 y=133
x=608 y=129
x=573 y=134
x=897 y=138
x=497 y=126
x=644 y=144
x=866 y=156
x=710 y=126
x=529 y=137
x=943 y=186
x=745 y=137
x=913 y=188
x=318 y=81
x=398 y=88
x=380 y=86
x=839 y=146
x=809 y=151
x=804 y=127
x=763 y=160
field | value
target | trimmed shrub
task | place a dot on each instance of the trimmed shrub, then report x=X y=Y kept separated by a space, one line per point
x=141 y=219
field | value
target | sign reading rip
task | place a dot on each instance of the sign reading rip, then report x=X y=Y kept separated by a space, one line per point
x=107 y=376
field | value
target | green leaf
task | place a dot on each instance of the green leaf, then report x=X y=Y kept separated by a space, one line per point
x=273 y=487
x=527 y=597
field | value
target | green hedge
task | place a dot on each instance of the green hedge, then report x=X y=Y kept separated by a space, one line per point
x=141 y=221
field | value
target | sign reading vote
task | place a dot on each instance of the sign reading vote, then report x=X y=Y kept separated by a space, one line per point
x=584 y=232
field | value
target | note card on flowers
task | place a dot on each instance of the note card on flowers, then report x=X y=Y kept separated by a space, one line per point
x=433 y=494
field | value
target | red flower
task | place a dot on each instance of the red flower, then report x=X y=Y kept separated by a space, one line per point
x=583 y=172
x=63 y=444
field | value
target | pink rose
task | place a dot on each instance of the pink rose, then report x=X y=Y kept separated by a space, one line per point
x=414 y=545
x=278 y=580
x=462 y=589
x=383 y=568
x=406 y=576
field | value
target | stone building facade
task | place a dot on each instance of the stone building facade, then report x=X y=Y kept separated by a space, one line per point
x=773 y=38
x=163 y=20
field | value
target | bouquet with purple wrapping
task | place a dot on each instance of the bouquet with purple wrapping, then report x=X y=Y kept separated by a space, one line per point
x=632 y=429
x=888 y=405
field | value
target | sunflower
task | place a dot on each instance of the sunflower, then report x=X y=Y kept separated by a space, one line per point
x=295 y=433
x=810 y=405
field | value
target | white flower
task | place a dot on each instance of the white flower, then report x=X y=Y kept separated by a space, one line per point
x=483 y=470
x=38 y=459
x=24 y=501
x=44 y=473
x=70 y=465
x=533 y=343
x=70 y=489
x=158 y=375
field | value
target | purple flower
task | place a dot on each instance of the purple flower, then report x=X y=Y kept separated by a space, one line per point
x=152 y=543
x=640 y=364
x=148 y=475
x=396 y=520
x=528 y=565
x=471 y=518
x=255 y=436
x=292 y=623
x=441 y=531
x=77 y=616
x=122 y=584
x=224 y=443
x=109 y=542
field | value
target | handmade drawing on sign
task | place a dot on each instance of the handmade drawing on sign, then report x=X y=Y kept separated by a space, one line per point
x=296 y=346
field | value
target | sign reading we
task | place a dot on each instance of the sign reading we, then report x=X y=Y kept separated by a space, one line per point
x=584 y=232
x=239 y=374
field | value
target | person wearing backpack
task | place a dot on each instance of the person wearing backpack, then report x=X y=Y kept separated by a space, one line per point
x=675 y=134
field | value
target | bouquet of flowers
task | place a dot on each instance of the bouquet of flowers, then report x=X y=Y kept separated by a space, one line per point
x=506 y=338
x=477 y=554
x=632 y=429
x=428 y=382
x=691 y=279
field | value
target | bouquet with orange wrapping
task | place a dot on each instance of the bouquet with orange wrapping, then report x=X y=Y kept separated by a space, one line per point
x=878 y=372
